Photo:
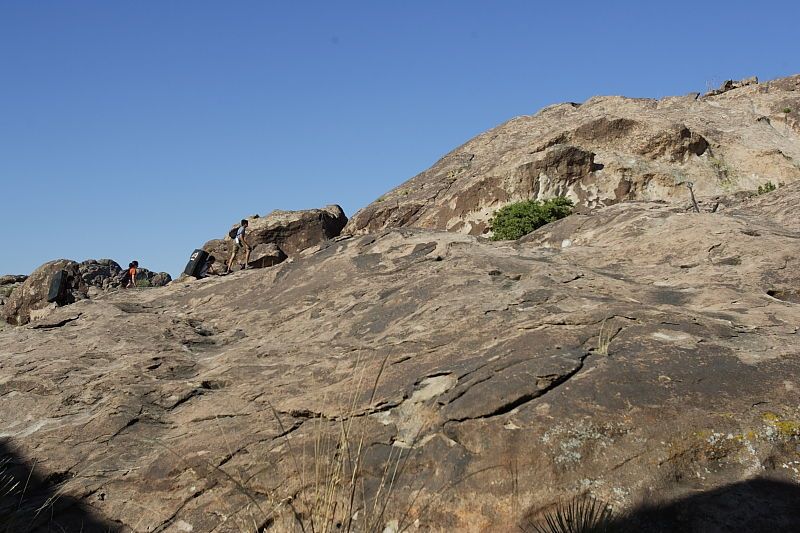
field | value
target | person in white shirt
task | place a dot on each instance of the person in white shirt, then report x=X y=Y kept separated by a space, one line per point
x=240 y=241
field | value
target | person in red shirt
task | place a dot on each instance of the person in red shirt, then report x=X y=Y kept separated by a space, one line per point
x=131 y=275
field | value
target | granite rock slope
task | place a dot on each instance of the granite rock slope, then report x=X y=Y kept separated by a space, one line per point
x=603 y=151
x=641 y=353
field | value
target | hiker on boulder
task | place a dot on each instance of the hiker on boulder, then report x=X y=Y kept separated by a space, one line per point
x=129 y=277
x=239 y=241
x=208 y=268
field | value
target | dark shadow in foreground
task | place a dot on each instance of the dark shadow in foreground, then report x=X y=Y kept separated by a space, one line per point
x=30 y=500
x=756 y=505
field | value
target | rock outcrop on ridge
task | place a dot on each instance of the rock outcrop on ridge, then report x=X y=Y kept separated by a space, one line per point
x=89 y=278
x=603 y=151
x=8 y=283
x=282 y=234
x=29 y=300
x=640 y=354
x=106 y=274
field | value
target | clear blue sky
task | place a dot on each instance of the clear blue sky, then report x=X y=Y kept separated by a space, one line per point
x=142 y=129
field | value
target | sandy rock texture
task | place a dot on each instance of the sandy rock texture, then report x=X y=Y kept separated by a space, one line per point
x=641 y=354
x=8 y=283
x=30 y=298
x=282 y=234
x=604 y=151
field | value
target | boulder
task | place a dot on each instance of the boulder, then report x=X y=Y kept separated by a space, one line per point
x=7 y=285
x=105 y=274
x=12 y=279
x=729 y=85
x=156 y=279
x=290 y=232
x=100 y=273
x=266 y=255
x=32 y=294
x=220 y=249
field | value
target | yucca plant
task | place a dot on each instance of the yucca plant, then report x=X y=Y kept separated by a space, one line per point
x=582 y=514
x=9 y=498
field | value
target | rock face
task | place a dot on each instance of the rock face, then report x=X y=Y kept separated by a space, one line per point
x=100 y=273
x=88 y=279
x=283 y=234
x=105 y=274
x=266 y=255
x=12 y=279
x=154 y=279
x=8 y=283
x=640 y=354
x=606 y=150
x=31 y=296
x=729 y=85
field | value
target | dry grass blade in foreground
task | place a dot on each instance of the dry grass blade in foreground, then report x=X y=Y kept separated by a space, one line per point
x=337 y=498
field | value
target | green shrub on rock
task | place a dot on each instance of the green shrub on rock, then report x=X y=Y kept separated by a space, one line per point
x=767 y=187
x=515 y=220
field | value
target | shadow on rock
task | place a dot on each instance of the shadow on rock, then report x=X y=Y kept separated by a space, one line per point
x=754 y=506
x=31 y=501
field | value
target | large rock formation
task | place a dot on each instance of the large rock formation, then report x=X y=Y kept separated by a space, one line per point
x=106 y=274
x=604 y=151
x=640 y=354
x=23 y=297
x=100 y=273
x=30 y=298
x=8 y=283
x=282 y=234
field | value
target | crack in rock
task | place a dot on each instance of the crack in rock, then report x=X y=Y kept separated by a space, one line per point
x=509 y=389
x=58 y=324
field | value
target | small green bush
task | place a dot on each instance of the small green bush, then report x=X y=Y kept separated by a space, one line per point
x=515 y=220
x=767 y=187
x=787 y=110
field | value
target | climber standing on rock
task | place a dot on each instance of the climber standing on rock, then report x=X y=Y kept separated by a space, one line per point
x=239 y=241
x=130 y=275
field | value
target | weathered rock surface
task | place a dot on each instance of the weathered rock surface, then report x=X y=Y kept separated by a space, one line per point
x=282 y=234
x=729 y=85
x=89 y=278
x=266 y=255
x=106 y=274
x=12 y=279
x=31 y=297
x=635 y=354
x=8 y=283
x=604 y=151
x=152 y=279
x=100 y=273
